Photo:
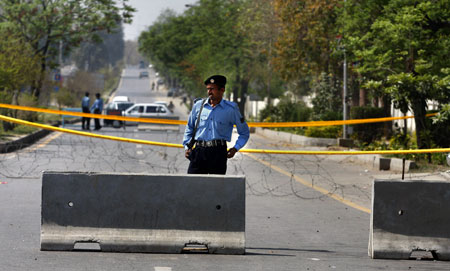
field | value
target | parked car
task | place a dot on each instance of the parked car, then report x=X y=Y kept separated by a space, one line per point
x=116 y=109
x=143 y=74
x=147 y=110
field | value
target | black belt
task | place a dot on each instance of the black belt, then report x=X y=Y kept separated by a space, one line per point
x=212 y=143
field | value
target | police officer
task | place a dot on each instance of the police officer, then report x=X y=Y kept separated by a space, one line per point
x=97 y=108
x=209 y=154
x=85 y=108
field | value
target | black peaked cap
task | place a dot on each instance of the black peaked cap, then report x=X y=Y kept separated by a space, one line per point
x=219 y=80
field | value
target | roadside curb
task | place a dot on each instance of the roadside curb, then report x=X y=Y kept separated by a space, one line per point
x=376 y=161
x=24 y=141
x=29 y=139
x=297 y=139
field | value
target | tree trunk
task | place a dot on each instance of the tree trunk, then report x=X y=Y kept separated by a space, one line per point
x=387 y=128
x=419 y=107
x=40 y=83
x=362 y=97
x=244 y=88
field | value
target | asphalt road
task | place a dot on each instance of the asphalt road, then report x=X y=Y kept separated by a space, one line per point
x=289 y=225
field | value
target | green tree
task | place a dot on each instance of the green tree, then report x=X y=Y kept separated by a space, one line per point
x=48 y=25
x=308 y=37
x=18 y=63
x=258 y=21
x=327 y=103
x=18 y=68
x=190 y=47
x=406 y=50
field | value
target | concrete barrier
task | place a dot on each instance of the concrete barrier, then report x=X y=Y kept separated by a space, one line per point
x=143 y=212
x=410 y=216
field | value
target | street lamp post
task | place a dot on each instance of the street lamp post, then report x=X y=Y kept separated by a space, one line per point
x=344 y=131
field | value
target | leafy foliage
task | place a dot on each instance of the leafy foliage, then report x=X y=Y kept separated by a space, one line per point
x=405 y=50
x=327 y=101
x=308 y=37
x=367 y=133
x=47 y=24
x=18 y=64
x=216 y=37
x=324 y=132
x=286 y=111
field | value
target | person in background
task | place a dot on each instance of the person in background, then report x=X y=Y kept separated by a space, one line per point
x=97 y=108
x=85 y=102
x=171 y=106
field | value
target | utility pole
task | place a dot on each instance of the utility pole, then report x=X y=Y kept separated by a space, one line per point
x=345 y=98
x=344 y=132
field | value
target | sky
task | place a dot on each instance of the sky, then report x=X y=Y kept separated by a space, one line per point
x=147 y=11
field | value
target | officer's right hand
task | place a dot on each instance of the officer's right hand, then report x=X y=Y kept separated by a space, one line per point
x=187 y=153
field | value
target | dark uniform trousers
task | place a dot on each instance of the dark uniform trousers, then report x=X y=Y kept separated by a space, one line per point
x=85 y=121
x=97 y=121
x=208 y=160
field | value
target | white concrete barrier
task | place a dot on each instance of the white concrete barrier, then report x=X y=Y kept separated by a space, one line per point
x=143 y=212
x=409 y=216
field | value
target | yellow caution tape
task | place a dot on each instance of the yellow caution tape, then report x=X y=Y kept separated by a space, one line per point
x=183 y=122
x=173 y=145
x=327 y=123
x=95 y=116
x=123 y=139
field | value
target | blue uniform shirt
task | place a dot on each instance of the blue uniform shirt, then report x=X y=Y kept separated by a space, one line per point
x=85 y=102
x=97 y=104
x=217 y=123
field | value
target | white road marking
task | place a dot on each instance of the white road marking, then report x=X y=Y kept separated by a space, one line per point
x=139 y=152
x=139 y=146
x=159 y=268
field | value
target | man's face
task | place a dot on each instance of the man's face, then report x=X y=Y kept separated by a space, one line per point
x=215 y=93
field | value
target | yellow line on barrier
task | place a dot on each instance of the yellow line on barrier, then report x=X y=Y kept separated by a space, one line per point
x=173 y=145
x=183 y=122
x=310 y=185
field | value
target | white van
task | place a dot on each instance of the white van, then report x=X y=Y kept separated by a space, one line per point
x=121 y=99
x=147 y=111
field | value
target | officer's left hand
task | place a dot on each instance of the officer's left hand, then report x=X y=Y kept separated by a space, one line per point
x=231 y=152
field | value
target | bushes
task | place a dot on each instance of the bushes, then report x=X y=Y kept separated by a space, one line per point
x=286 y=111
x=367 y=133
x=31 y=101
x=327 y=101
x=65 y=97
x=324 y=131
